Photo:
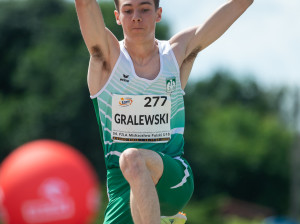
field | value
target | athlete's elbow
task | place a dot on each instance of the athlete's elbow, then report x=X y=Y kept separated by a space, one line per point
x=244 y=4
x=249 y=2
x=83 y=2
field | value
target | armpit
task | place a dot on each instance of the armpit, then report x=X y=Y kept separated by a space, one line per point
x=191 y=57
x=97 y=54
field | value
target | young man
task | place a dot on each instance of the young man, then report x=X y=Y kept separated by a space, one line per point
x=137 y=90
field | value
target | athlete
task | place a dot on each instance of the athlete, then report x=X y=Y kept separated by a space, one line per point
x=137 y=89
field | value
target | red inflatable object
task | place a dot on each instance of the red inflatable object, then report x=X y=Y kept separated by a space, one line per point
x=48 y=182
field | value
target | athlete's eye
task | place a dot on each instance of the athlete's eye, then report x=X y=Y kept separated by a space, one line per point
x=128 y=11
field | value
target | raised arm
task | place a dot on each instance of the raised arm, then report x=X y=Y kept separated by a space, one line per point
x=188 y=43
x=101 y=43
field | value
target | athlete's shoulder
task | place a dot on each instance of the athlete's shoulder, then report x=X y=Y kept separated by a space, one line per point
x=164 y=46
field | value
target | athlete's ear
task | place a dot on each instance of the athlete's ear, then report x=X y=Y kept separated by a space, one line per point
x=117 y=15
x=158 y=12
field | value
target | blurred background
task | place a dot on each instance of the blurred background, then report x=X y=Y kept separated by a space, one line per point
x=242 y=101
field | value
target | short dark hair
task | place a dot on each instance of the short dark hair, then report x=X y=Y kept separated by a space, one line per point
x=156 y=4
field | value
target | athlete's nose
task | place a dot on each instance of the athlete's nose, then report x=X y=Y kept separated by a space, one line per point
x=136 y=17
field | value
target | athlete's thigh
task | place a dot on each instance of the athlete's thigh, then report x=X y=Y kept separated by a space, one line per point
x=154 y=164
x=147 y=160
x=176 y=186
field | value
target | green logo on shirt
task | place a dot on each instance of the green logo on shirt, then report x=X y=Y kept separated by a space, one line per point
x=171 y=85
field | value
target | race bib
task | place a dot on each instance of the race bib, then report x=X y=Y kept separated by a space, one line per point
x=141 y=118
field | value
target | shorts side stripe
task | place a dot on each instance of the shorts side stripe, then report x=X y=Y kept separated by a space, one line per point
x=113 y=153
x=186 y=173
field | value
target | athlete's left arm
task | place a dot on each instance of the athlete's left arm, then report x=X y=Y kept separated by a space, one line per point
x=188 y=43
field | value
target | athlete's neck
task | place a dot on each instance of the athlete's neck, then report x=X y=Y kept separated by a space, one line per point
x=142 y=53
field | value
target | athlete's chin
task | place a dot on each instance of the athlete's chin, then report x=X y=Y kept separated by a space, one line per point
x=138 y=35
x=138 y=30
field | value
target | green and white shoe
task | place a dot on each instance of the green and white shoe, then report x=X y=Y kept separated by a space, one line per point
x=180 y=218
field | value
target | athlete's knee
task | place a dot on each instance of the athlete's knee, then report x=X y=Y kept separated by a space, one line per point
x=132 y=163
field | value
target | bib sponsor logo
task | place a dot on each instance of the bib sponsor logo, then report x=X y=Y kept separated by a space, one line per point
x=125 y=102
x=171 y=85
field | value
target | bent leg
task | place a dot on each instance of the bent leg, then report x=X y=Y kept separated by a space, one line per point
x=142 y=169
x=135 y=211
x=176 y=186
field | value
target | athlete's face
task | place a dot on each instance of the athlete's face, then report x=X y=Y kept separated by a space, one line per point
x=138 y=17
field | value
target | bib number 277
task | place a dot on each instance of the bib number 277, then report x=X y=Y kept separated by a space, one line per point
x=155 y=100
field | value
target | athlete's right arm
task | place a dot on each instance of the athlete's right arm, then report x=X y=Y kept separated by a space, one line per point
x=101 y=43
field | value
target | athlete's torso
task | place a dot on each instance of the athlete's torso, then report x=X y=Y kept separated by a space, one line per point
x=133 y=112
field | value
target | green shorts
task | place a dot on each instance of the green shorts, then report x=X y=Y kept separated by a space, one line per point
x=174 y=189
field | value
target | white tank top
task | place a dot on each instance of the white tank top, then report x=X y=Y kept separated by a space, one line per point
x=134 y=112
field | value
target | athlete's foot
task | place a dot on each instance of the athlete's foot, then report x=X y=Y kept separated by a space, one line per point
x=180 y=218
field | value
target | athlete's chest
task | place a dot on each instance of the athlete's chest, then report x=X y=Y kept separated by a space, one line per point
x=149 y=70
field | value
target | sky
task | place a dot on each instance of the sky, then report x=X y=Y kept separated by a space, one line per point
x=264 y=43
